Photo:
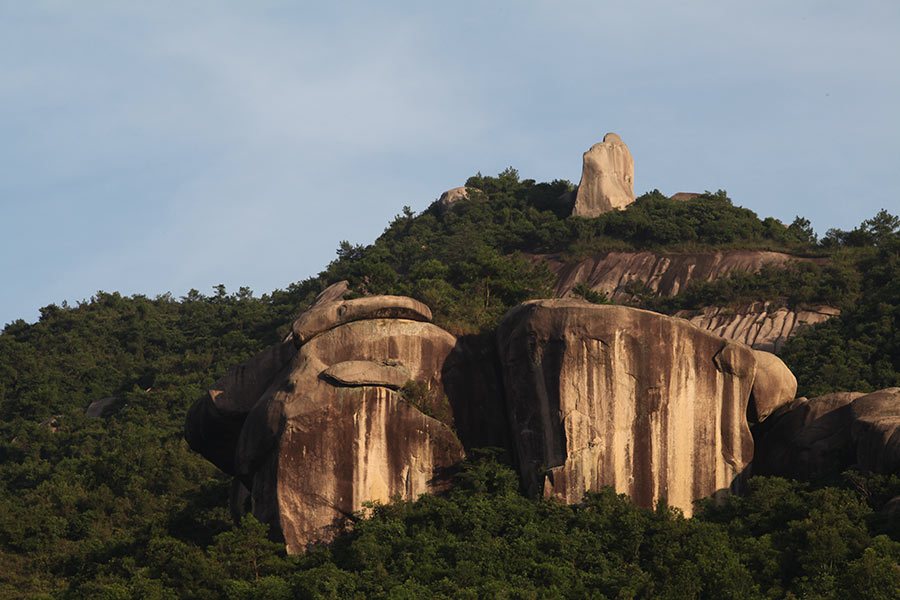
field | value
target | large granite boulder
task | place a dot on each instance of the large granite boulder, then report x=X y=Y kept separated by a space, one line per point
x=615 y=396
x=454 y=195
x=357 y=413
x=823 y=436
x=774 y=386
x=607 y=178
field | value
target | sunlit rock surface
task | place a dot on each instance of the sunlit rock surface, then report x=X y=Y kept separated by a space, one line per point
x=607 y=178
x=608 y=395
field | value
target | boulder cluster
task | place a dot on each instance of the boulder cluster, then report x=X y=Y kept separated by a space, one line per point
x=367 y=400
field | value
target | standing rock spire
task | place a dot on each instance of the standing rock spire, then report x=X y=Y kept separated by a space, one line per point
x=607 y=178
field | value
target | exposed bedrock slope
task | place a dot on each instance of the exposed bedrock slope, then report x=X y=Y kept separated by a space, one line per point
x=758 y=324
x=666 y=274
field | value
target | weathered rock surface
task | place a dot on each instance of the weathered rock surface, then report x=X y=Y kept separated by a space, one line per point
x=102 y=408
x=774 y=386
x=324 y=316
x=759 y=325
x=312 y=433
x=386 y=373
x=815 y=438
x=608 y=395
x=684 y=196
x=607 y=178
x=317 y=451
x=333 y=292
x=662 y=274
x=453 y=195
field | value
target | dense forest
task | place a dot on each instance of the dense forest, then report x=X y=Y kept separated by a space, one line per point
x=116 y=506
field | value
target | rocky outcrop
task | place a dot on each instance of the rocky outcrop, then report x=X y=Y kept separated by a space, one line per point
x=317 y=426
x=614 y=273
x=773 y=387
x=684 y=196
x=454 y=195
x=335 y=291
x=608 y=395
x=607 y=178
x=619 y=275
x=823 y=436
x=102 y=408
x=214 y=422
x=367 y=401
x=759 y=324
x=321 y=317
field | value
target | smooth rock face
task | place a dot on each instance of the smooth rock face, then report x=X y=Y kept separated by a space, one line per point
x=774 y=386
x=607 y=178
x=810 y=439
x=609 y=395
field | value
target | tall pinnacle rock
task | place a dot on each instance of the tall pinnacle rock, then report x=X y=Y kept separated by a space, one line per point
x=607 y=178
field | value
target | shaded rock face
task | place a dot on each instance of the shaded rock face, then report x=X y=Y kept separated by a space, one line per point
x=214 y=422
x=102 y=408
x=317 y=426
x=876 y=431
x=823 y=436
x=607 y=178
x=608 y=395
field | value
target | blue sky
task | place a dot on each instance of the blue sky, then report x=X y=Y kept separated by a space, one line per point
x=158 y=147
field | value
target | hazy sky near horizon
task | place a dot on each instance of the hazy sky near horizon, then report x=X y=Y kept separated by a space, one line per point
x=157 y=147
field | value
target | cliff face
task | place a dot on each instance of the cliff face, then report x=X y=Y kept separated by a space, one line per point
x=759 y=324
x=608 y=395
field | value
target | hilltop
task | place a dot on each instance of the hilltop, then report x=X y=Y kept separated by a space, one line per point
x=117 y=506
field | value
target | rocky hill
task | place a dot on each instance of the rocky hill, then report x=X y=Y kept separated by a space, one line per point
x=447 y=363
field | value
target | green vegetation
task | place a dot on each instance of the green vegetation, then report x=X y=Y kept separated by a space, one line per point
x=118 y=507
x=861 y=349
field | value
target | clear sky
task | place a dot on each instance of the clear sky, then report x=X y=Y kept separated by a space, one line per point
x=151 y=147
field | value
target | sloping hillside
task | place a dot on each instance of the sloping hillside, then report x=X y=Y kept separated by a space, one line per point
x=118 y=507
